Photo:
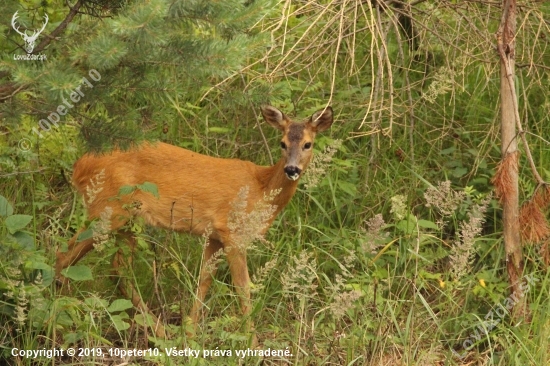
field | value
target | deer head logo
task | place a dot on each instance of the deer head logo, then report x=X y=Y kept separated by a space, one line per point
x=30 y=41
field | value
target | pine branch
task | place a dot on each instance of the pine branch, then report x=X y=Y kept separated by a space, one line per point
x=60 y=28
x=10 y=89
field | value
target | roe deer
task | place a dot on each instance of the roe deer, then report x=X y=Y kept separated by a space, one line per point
x=195 y=194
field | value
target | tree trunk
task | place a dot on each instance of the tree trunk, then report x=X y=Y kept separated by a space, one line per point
x=510 y=201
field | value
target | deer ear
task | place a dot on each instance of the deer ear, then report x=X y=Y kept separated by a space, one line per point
x=322 y=119
x=274 y=117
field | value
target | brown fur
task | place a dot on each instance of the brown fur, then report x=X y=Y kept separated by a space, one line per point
x=195 y=192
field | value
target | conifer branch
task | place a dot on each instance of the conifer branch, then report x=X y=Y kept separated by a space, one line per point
x=60 y=28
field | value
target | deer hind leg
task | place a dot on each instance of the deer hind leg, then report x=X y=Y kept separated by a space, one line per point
x=207 y=272
x=126 y=286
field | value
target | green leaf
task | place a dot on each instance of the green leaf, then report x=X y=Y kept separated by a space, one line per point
x=427 y=224
x=124 y=190
x=381 y=273
x=17 y=222
x=120 y=305
x=407 y=226
x=48 y=273
x=150 y=188
x=86 y=234
x=96 y=303
x=119 y=322
x=39 y=314
x=78 y=273
x=432 y=276
x=5 y=207
x=145 y=320
x=459 y=172
x=72 y=338
x=64 y=319
x=347 y=187
x=39 y=265
x=25 y=240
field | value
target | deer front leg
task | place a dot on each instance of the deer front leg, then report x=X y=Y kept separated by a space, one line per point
x=76 y=250
x=207 y=272
x=236 y=257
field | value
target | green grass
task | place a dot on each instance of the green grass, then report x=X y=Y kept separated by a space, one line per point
x=334 y=294
x=327 y=289
x=407 y=309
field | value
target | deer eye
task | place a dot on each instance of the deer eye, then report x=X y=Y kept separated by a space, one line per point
x=283 y=145
x=307 y=145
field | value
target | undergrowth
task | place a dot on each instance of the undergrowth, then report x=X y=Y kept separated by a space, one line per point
x=391 y=251
x=341 y=278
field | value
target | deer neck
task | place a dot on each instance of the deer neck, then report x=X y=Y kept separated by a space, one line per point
x=273 y=178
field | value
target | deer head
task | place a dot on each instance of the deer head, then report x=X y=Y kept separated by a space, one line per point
x=29 y=40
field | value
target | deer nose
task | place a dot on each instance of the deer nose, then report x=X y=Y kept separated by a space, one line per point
x=292 y=172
